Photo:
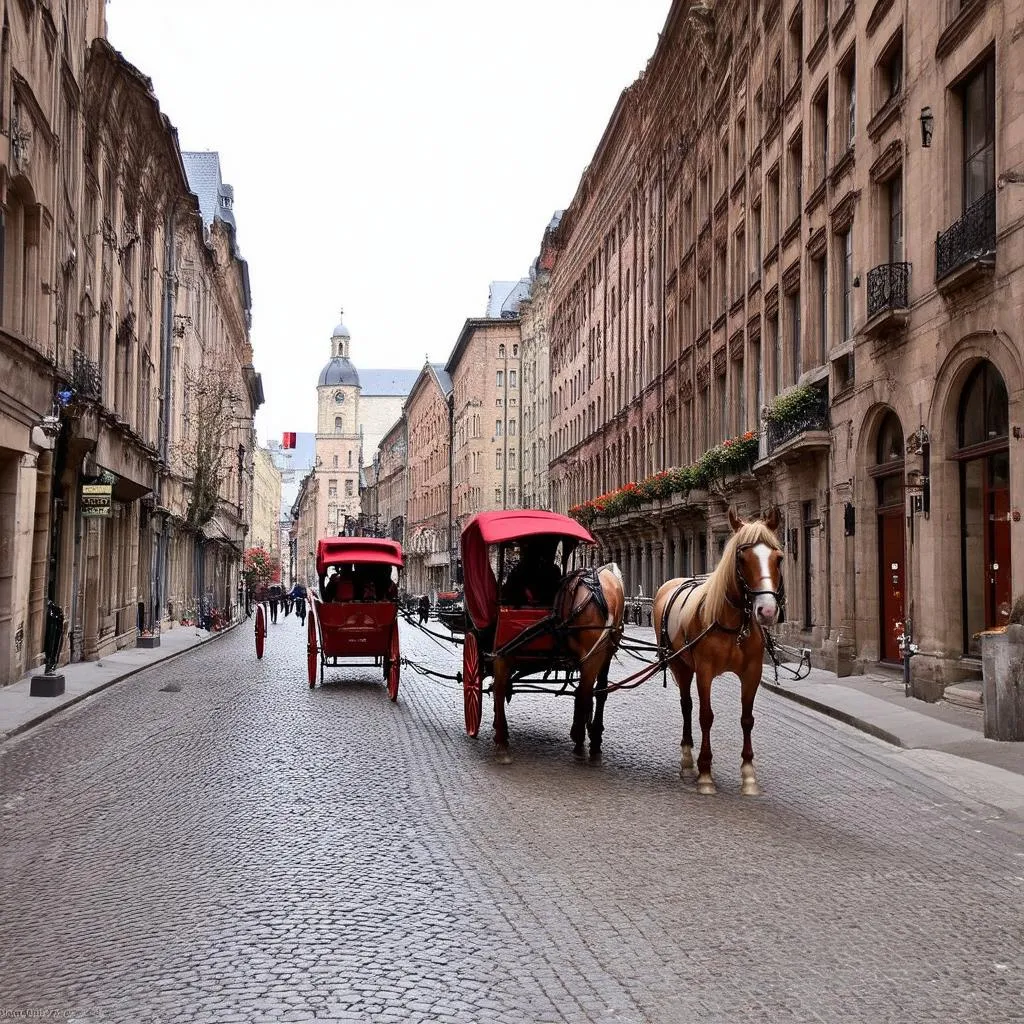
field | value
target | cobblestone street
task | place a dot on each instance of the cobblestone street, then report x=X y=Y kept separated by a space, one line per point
x=245 y=849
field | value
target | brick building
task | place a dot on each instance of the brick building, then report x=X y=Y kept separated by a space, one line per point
x=804 y=220
x=428 y=516
x=484 y=369
x=385 y=500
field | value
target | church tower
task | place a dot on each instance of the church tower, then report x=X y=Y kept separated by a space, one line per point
x=337 y=437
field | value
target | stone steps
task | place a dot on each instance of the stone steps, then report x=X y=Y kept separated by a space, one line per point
x=965 y=694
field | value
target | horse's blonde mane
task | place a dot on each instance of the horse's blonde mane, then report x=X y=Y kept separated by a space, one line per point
x=717 y=586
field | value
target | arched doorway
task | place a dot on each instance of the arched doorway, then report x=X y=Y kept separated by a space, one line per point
x=891 y=517
x=983 y=453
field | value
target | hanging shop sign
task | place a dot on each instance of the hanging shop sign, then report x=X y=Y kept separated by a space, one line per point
x=96 y=499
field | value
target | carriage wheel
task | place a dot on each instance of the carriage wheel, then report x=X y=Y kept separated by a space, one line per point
x=394 y=665
x=311 y=650
x=261 y=630
x=472 y=684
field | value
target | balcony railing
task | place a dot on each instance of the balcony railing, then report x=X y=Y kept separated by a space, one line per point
x=85 y=377
x=888 y=288
x=972 y=237
x=811 y=415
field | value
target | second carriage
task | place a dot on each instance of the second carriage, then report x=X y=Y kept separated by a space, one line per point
x=354 y=613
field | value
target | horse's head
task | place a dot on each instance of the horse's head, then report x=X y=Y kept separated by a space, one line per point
x=759 y=566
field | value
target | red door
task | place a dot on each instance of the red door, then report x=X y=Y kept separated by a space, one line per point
x=891 y=574
x=998 y=588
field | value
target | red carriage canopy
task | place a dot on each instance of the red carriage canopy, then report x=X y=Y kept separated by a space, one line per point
x=348 y=550
x=485 y=528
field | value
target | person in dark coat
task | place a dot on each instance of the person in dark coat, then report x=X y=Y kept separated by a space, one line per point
x=274 y=596
x=298 y=598
x=535 y=578
x=424 y=608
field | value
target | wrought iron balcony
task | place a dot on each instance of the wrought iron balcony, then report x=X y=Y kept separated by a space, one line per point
x=86 y=380
x=810 y=415
x=888 y=288
x=971 y=240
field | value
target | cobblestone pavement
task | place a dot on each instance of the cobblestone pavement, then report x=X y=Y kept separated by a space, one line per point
x=212 y=841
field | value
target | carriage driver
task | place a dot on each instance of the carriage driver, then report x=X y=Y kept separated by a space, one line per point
x=535 y=578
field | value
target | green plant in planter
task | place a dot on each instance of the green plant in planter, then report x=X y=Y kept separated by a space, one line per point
x=797 y=404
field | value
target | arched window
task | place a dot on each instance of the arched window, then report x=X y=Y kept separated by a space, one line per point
x=337 y=424
x=983 y=435
x=501 y=351
x=890 y=440
x=984 y=408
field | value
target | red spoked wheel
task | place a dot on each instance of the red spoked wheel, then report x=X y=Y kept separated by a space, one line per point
x=312 y=653
x=261 y=630
x=393 y=661
x=472 y=684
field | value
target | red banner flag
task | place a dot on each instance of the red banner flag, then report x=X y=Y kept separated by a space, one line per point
x=288 y=439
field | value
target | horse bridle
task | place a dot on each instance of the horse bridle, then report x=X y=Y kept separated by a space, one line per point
x=748 y=593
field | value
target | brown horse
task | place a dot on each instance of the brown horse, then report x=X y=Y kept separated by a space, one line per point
x=587 y=628
x=722 y=618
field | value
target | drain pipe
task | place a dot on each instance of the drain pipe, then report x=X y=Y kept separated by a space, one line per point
x=166 y=335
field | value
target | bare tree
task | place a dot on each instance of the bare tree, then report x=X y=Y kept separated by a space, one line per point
x=209 y=398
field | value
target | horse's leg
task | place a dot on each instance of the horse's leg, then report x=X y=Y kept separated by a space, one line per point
x=600 y=696
x=684 y=677
x=503 y=755
x=749 y=684
x=582 y=710
x=705 y=784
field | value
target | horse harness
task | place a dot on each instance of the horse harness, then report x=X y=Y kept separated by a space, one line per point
x=745 y=606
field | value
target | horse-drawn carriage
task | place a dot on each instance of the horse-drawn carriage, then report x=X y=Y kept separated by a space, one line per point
x=539 y=627
x=354 y=614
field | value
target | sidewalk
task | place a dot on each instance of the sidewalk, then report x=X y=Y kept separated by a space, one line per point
x=875 y=704
x=19 y=711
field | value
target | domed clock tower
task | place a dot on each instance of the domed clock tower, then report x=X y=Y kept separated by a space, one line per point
x=337 y=437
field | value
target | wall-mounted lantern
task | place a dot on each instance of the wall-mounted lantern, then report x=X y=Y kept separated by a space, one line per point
x=927 y=126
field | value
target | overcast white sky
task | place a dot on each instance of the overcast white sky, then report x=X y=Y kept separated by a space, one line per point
x=390 y=156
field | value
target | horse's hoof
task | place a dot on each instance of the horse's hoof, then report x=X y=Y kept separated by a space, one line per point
x=687 y=762
x=750 y=788
x=503 y=756
x=706 y=785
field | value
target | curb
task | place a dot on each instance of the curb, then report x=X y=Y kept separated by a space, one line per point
x=50 y=712
x=842 y=716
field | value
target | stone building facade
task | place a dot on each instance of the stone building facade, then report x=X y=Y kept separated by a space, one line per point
x=484 y=368
x=428 y=515
x=266 y=503
x=97 y=208
x=535 y=364
x=803 y=220
x=385 y=500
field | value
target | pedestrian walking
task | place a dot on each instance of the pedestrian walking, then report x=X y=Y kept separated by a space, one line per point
x=298 y=598
x=275 y=600
x=424 y=608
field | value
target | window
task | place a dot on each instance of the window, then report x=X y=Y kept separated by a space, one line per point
x=775 y=347
x=794 y=336
x=757 y=118
x=498 y=428
x=348 y=488
x=497 y=495
x=723 y=407
x=501 y=351
x=511 y=428
x=820 y=122
x=332 y=488
x=848 y=86
x=704 y=195
x=820 y=278
x=512 y=379
x=337 y=424
x=335 y=462
x=720 y=281
x=848 y=285
x=889 y=72
x=739 y=399
x=740 y=154
x=795 y=170
x=739 y=265
x=704 y=418
x=757 y=378
x=499 y=459
x=895 y=197
x=350 y=458
x=500 y=378
x=774 y=220
x=511 y=458
x=978 y=96
x=755 y=244
x=796 y=48
x=515 y=351
x=821 y=16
